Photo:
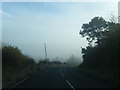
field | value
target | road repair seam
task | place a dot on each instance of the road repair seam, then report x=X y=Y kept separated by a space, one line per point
x=20 y=82
x=70 y=85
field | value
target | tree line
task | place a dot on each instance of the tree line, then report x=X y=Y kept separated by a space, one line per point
x=102 y=53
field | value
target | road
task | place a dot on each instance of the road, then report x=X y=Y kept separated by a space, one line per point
x=59 y=77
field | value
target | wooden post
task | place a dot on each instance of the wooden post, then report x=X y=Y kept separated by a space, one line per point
x=45 y=50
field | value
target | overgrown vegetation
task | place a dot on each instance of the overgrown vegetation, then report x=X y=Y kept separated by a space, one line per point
x=16 y=66
x=101 y=57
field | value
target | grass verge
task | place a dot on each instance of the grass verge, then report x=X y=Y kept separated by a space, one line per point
x=108 y=78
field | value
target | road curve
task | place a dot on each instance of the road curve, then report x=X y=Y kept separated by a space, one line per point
x=59 y=77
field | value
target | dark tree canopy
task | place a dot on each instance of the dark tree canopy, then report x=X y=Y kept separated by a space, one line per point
x=102 y=59
x=94 y=29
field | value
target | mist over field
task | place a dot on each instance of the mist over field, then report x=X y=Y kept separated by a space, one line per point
x=28 y=25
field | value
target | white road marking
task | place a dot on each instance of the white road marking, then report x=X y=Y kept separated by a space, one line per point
x=62 y=75
x=70 y=85
x=20 y=82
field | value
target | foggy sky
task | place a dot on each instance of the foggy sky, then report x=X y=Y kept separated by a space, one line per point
x=29 y=25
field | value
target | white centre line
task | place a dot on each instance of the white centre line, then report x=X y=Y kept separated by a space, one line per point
x=70 y=85
x=62 y=75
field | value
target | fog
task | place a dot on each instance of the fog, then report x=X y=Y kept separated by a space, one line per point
x=29 y=25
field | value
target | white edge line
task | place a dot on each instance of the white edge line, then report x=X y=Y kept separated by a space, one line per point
x=20 y=82
x=70 y=85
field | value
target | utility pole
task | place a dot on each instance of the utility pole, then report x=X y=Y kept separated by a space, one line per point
x=45 y=50
x=119 y=12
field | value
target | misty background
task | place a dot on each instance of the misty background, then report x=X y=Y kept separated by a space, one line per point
x=28 y=25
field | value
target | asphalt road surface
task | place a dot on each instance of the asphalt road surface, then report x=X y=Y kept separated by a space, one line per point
x=59 y=77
